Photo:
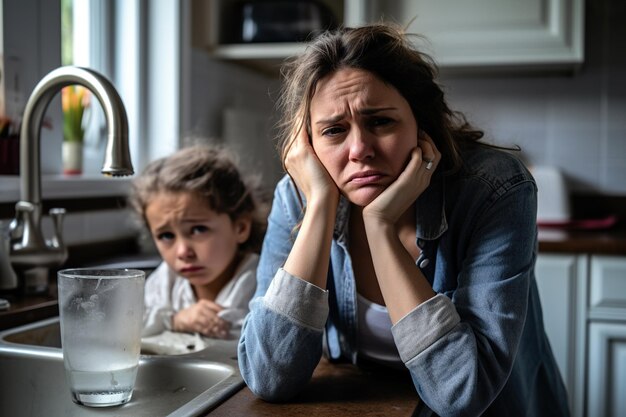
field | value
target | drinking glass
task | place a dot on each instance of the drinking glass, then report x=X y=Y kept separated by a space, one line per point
x=101 y=320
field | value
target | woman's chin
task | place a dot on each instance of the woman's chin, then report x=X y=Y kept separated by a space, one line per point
x=364 y=195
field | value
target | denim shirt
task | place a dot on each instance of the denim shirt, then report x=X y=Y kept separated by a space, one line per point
x=477 y=348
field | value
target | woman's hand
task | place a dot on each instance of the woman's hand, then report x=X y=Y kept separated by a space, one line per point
x=401 y=282
x=310 y=254
x=202 y=318
x=307 y=171
x=410 y=184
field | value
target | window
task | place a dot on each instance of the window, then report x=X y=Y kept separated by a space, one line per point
x=135 y=43
x=81 y=42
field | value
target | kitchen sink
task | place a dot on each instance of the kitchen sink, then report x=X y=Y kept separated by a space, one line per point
x=32 y=378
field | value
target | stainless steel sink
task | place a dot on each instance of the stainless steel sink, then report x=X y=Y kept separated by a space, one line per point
x=32 y=378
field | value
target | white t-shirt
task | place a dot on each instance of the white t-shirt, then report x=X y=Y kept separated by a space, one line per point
x=375 y=339
x=167 y=293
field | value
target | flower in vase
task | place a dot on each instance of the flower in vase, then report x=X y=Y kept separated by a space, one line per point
x=74 y=100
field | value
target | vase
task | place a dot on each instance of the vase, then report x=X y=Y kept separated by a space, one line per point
x=72 y=158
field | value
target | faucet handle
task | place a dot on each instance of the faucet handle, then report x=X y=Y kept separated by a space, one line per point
x=8 y=279
x=24 y=207
x=23 y=220
x=57 y=214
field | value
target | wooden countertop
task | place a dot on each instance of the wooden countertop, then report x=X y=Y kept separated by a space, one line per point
x=335 y=389
x=28 y=309
x=605 y=242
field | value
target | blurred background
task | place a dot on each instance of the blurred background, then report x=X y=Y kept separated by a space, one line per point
x=547 y=75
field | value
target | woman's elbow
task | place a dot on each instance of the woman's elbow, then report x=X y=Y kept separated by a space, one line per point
x=263 y=380
x=267 y=385
x=268 y=391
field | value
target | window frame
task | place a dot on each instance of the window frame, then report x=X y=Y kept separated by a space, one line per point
x=137 y=44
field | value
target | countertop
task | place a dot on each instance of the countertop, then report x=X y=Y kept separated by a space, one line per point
x=599 y=242
x=335 y=389
x=28 y=309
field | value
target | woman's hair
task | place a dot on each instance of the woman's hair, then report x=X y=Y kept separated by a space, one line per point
x=211 y=173
x=386 y=52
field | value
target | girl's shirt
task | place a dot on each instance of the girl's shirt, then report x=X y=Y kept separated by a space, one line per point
x=167 y=293
x=477 y=348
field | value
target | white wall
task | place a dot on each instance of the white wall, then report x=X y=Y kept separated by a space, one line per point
x=575 y=122
x=235 y=105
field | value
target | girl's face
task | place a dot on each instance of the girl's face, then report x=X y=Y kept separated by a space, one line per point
x=195 y=241
x=362 y=131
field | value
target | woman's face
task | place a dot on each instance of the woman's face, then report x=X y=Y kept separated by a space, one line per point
x=363 y=131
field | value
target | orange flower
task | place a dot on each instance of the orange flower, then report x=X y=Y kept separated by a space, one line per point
x=74 y=100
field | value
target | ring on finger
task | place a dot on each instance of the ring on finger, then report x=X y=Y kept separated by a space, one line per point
x=429 y=164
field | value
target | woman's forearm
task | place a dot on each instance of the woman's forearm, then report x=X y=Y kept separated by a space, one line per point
x=401 y=282
x=310 y=255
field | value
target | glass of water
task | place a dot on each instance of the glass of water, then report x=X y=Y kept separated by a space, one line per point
x=101 y=319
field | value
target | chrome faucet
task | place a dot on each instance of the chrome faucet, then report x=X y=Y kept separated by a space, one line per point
x=30 y=254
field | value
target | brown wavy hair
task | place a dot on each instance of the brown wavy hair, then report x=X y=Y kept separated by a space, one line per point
x=385 y=51
x=208 y=171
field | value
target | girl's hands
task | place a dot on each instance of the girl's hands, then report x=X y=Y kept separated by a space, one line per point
x=410 y=184
x=307 y=171
x=202 y=318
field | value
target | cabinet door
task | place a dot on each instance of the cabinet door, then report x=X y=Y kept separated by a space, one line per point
x=607 y=370
x=492 y=32
x=557 y=277
x=606 y=358
x=607 y=293
x=459 y=34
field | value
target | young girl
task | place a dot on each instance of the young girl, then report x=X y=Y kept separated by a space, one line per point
x=207 y=226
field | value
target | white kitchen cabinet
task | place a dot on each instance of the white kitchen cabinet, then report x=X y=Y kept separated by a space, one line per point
x=561 y=282
x=494 y=33
x=584 y=308
x=606 y=358
x=213 y=14
x=607 y=293
x=459 y=34
x=607 y=369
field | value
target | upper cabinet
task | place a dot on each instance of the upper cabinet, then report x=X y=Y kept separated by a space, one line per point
x=459 y=34
x=262 y=33
x=494 y=33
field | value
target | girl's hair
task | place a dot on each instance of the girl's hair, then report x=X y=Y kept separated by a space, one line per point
x=210 y=172
x=386 y=52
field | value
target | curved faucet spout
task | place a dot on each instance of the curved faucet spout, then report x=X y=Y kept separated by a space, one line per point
x=29 y=251
x=117 y=156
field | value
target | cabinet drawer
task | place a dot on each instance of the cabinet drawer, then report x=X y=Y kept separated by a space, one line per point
x=608 y=284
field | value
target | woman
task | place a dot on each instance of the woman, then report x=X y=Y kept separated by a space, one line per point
x=408 y=243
